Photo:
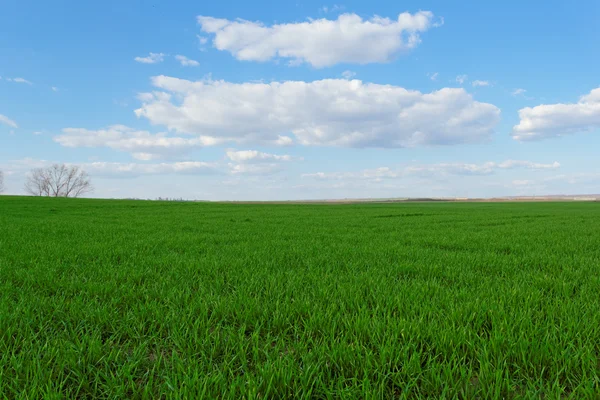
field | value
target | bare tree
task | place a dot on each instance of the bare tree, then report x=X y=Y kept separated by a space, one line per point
x=1 y=181
x=59 y=180
x=37 y=183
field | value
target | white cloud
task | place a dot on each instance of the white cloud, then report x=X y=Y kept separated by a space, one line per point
x=145 y=146
x=462 y=79
x=141 y=144
x=517 y=92
x=554 y=120
x=253 y=162
x=135 y=169
x=348 y=74
x=125 y=170
x=479 y=169
x=19 y=80
x=376 y=174
x=186 y=62
x=509 y=164
x=440 y=169
x=254 y=156
x=334 y=112
x=321 y=42
x=7 y=121
x=54 y=89
x=433 y=76
x=152 y=58
x=282 y=141
x=254 y=169
x=480 y=83
x=334 y=8
x=202 y=40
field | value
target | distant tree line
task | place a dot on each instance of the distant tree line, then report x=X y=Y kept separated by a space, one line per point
x=170 y=199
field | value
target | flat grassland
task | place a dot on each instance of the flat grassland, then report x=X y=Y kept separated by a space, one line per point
x=139 y=299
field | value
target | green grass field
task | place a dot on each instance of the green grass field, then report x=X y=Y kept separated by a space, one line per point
x=135 y=299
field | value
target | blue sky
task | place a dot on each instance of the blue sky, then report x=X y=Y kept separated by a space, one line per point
x=303 y=100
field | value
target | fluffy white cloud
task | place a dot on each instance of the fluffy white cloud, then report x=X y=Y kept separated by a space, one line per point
x=320 y=42
x=334 y=112
x=141 y=144
x=477 y=83
x=553 y=120
x=7 y=121
x=152 y=58
x=186 y=62
x=253 y=156
x=439 y=169
x=433 y=76
x=518 y=91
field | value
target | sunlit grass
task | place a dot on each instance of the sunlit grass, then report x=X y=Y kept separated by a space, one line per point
x=133 y=299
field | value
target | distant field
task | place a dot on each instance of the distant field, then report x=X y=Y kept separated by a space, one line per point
x=137 y=299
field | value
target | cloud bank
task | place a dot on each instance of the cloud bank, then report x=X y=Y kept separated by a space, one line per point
x=320 y=42
x=331 y=112
x=432 y=170
x=554 y=120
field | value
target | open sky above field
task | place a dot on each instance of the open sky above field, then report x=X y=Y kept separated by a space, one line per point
x=265 y=100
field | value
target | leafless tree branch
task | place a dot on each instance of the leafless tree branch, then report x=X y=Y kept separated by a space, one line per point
x=58 y=180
